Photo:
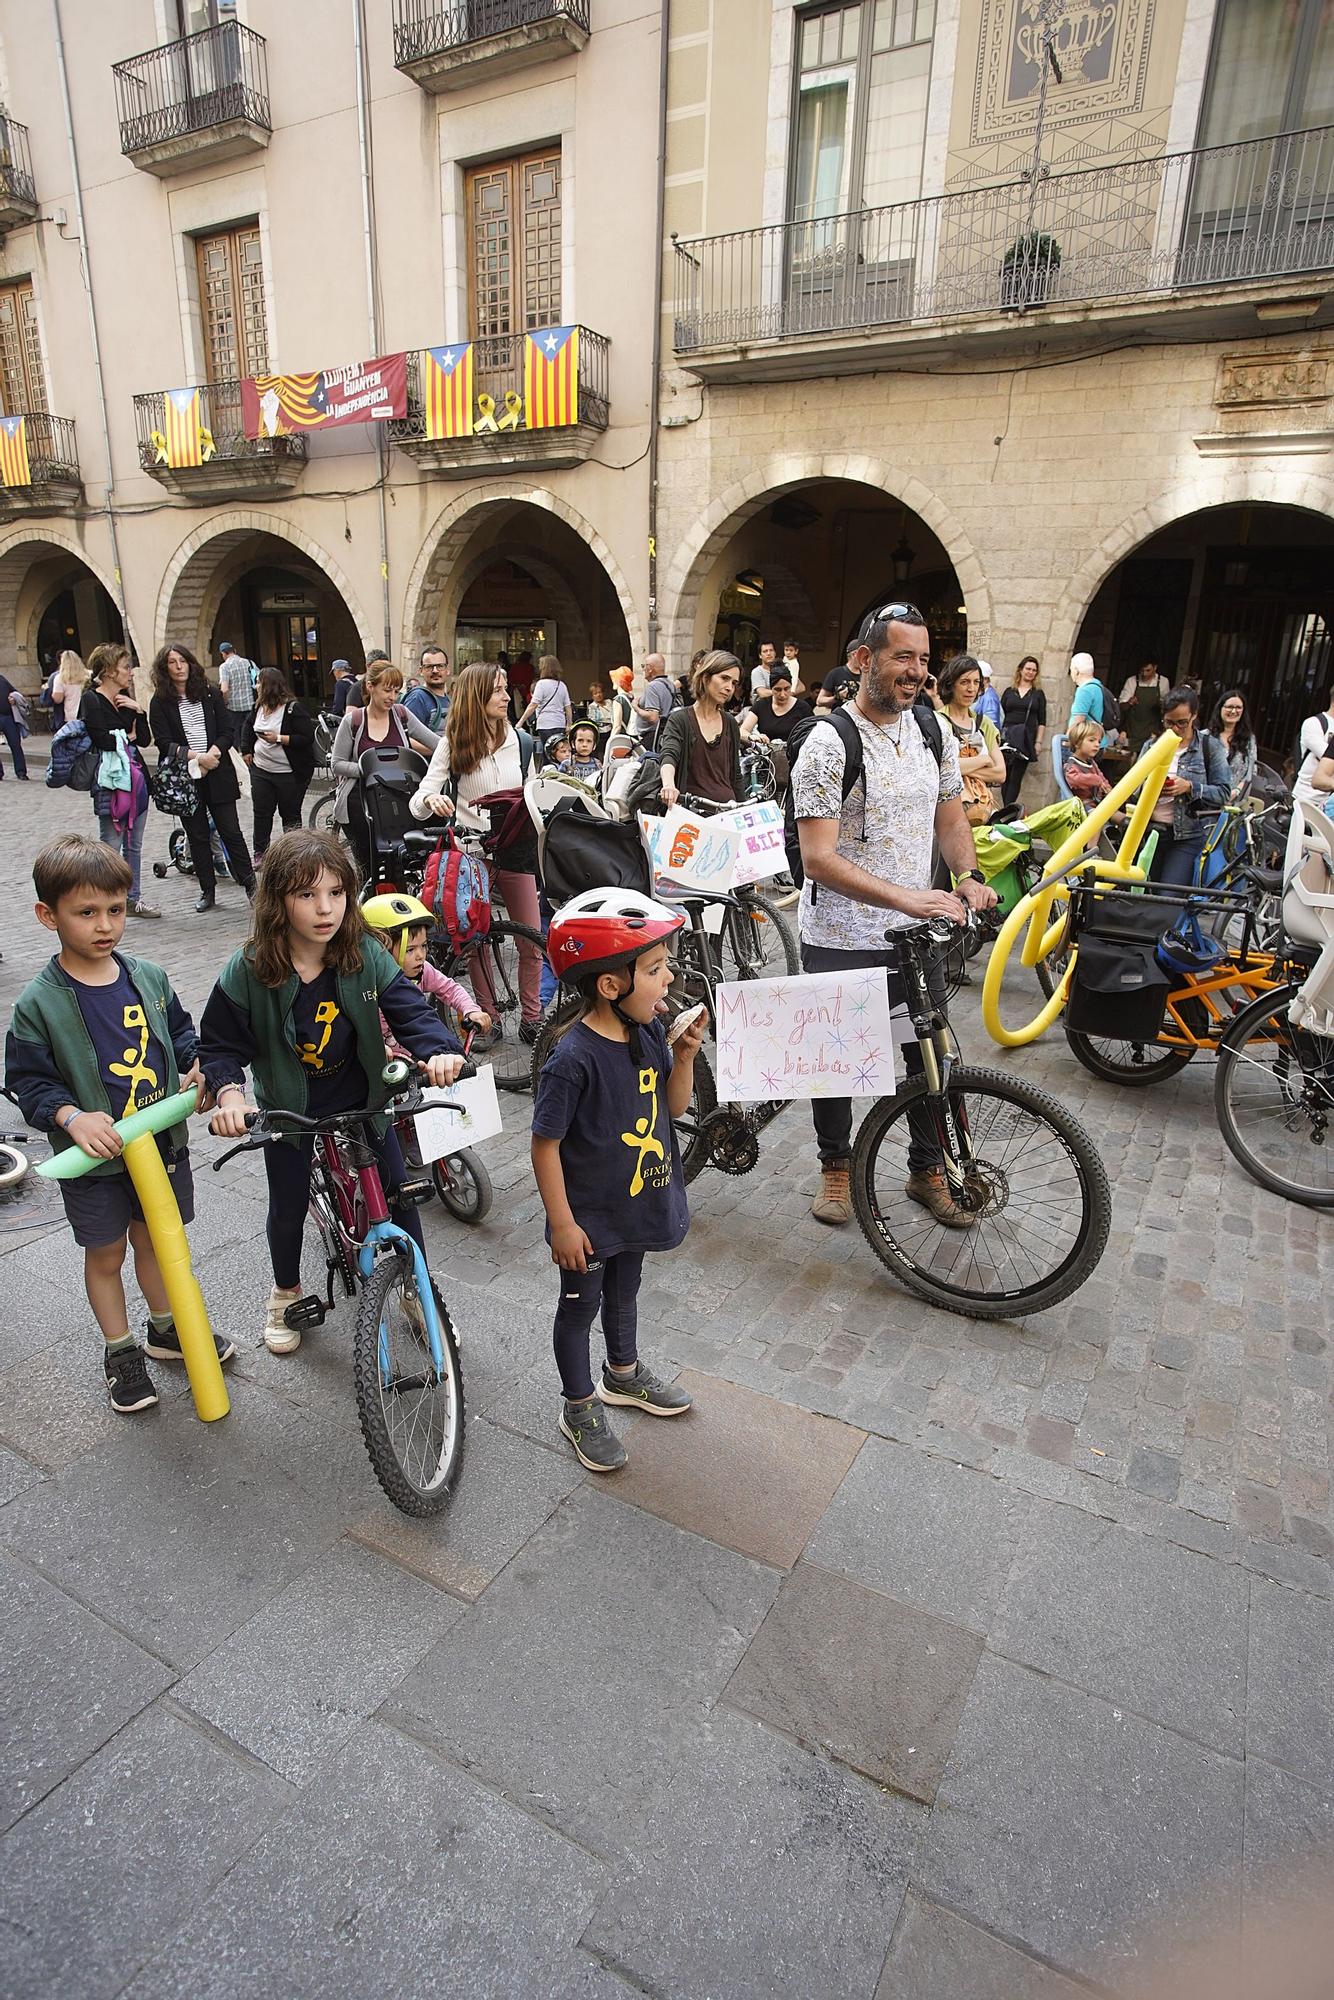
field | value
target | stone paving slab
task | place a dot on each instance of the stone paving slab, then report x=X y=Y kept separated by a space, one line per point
x=101 y=1872
x=70 y=1680
x=939 y=1536
x=763 y=1870
x=1074 y=1827
x=584 y=1673
x=939 y=1955
x=16 y=1475
x=746 y=1471
x=1130 y=1618
x=391 y=1874
x=1290 y=1688
x=293 y=1682
x=878 y=1685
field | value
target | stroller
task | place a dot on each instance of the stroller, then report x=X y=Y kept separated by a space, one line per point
x=395 y=848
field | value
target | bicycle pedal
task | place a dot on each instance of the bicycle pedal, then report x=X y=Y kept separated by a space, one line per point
x=416 y=1191
x=305 y=1313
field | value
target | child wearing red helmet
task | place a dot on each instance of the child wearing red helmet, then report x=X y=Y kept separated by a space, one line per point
x=605 y=1154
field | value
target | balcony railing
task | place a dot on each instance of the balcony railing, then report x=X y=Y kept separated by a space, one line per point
x=54 y=479
x=230 y=461
x=1219 y=216
x=498 y=373
x=423 y=28
x=17 y=188
x=217 y=77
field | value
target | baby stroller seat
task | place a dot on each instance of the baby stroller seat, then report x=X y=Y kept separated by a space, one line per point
x=388 y=780
x=576 y=850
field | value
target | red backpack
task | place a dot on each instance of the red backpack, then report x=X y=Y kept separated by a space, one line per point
x=456 y=890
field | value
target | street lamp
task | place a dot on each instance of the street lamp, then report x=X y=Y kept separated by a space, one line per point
x=901 y=560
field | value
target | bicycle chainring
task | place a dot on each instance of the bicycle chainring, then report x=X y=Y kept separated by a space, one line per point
x=734 y=1146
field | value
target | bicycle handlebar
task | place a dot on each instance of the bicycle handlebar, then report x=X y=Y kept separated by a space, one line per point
x=400 y=1085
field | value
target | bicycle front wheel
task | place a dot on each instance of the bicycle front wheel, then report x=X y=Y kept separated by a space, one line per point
x=489 y=967
x=411 y=1410
x=1274 y=1098
x=757 y=941
x=319 y=814
x=1025 y=1170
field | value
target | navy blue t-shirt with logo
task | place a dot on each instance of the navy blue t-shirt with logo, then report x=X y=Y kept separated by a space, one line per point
x=326 y=1042
x=618 y=1151
x=130 y=1059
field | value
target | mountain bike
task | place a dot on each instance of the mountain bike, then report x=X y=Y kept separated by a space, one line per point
x=1014 y=1159
x=1274 y=1099
x=405 y=1354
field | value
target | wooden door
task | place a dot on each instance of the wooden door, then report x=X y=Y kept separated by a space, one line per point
x=514 y=281
x=231 y=301
x=22 y=376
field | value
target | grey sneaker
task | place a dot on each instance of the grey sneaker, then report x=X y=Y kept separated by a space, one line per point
x=596 y=1444
x=643 y=1391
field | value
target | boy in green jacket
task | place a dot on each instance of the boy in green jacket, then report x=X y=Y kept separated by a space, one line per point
x=94 y=1037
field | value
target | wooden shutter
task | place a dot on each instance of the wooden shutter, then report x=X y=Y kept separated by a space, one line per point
x=22 y=376
x=514 y=222
x=231 y=300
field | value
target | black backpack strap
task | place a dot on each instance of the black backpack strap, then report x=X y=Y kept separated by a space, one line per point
x=929 y=723
x=854 y=755
x=527 y=744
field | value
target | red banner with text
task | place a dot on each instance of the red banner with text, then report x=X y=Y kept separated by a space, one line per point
x=364 y=393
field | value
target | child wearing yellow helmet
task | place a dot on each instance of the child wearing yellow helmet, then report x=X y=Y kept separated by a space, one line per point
x=403 y=923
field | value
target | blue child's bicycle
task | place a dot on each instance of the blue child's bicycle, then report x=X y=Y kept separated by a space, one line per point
x=405 y=1354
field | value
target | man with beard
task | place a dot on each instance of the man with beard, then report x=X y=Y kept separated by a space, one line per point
x=866 y=847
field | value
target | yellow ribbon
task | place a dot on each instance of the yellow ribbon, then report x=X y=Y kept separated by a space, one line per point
x=159 y=444
x=209 y=449
x=488 y=420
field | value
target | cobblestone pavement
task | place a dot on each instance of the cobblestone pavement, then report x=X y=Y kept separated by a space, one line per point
x=608 y=1738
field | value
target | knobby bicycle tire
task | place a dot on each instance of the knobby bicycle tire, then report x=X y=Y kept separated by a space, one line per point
x=319 y=816
x=703 y=1096
x=426 y=1491
x=1297 y=1105
x=925 y=1255
x=765 y=916
x=463 y=1186
x=509 y=1057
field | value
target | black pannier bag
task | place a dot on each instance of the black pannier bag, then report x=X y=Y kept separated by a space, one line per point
x=1119 y=990
x=578 y=852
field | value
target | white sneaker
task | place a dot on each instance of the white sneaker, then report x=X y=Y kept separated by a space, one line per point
x=279 y=1337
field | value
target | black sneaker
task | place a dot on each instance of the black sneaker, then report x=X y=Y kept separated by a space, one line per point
x=643 y=1391
x=596 y=1444
x=129 y=1382
x=167 y=1346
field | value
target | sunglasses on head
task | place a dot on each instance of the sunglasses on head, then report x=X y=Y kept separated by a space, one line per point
x=887 y=614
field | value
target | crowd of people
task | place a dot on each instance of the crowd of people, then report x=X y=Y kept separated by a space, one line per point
x=885 y=803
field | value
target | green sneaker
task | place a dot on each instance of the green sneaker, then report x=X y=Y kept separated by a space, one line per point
x=643 y=1391
x=596 y=1444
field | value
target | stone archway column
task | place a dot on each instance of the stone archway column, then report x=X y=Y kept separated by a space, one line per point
x=188 y=577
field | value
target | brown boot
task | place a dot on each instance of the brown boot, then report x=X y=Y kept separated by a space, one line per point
x=834 y=1201
x=932 y=1191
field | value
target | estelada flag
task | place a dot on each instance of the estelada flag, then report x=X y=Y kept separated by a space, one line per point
x=551 y=377
x=365 y=393
x=180 y=427
x=447 y=389
x=14 y=467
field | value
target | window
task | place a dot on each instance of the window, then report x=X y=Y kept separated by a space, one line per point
x=1272 y=70
x=863 y=72
x=231 y=303
x=22 y=376
x=193 y=16
x=514 y=226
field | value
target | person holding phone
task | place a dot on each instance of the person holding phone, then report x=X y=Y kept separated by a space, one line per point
x=278 y=743
x=1197 y=776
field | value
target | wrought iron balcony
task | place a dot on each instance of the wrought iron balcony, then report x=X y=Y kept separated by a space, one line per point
x=501 y=434
x=46 y=447
x=445 y=44
x=204 y=97
x=1149 y=229
x=229 y=465
x=18 y=194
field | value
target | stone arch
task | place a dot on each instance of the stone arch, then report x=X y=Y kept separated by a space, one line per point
x=1251 y=482
x=197 y=576
x=564 y=604
x=430 y=588
x=715 y=527
x=20 y=549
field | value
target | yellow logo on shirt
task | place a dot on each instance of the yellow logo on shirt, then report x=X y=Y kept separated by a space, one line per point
x=312 y=1053
x=644 y=1143
x=134 y=1066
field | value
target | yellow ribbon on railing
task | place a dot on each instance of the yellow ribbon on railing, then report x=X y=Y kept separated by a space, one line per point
x=488 y=420
x=207 y=447
x=1035 y=910
x=159 y=444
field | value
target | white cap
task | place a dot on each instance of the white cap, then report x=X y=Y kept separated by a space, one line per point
x=986 y=669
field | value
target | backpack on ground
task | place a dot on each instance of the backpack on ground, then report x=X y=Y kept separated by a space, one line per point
x=73 y=761
x=854 y=756
x=457 y=892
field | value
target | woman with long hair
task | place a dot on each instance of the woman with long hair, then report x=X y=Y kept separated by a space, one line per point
x=481 y=757
x=1230 y=725
x=278 y=743
x=549 y=706
x=1023 y=725
x=701 y=745
x=382 y=724
x=108 y=704
x=981 y=764
x=190 y=723
x=71 y=678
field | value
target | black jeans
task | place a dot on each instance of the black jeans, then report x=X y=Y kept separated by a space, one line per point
x=287 y=1168
x=229 y=833
x=1016 y=764
x=13 y=735
x=613 y=1285
x=274 y=792
x=833 y=1115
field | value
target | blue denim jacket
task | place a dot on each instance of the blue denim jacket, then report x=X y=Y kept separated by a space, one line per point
x=1204 y=763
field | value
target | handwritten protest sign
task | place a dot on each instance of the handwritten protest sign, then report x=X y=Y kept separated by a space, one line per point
x=761 y=853
x=476 y=1115
x=693 y=851
x=822 y=1034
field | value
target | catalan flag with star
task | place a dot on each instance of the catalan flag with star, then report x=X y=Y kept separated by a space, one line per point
x=181 y=428
x=14 y=467
x=551 y=377
x=447 y=390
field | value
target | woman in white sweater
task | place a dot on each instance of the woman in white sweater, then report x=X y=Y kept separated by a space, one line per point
x=481 y=754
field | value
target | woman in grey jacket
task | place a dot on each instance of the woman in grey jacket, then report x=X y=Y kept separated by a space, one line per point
x=383 y=724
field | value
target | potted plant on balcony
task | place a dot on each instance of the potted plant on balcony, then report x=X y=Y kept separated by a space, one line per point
x=1026 y=269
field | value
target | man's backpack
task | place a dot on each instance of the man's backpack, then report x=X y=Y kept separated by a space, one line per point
x=854 y=756
x=457 y=891
x=73 y=760
x=1111 y=711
